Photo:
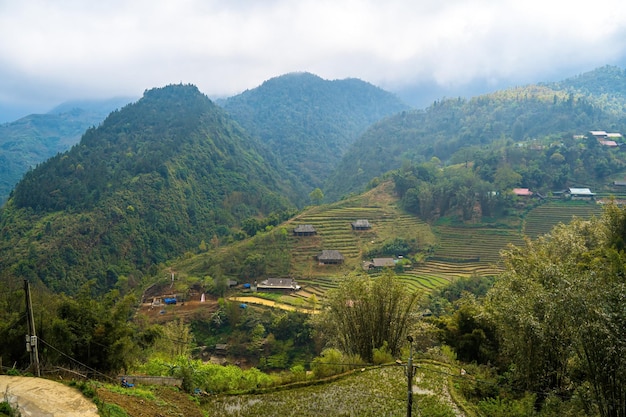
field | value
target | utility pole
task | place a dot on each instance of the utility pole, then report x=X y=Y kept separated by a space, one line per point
x=31 y=338
x=409 y=374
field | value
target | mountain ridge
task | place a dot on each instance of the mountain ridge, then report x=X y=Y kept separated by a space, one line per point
x=309 y=122
x=156 y=178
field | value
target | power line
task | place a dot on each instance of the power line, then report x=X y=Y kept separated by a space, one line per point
x=75 y=360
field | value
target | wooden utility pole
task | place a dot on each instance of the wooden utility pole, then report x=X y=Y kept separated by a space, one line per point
x=409 y=374
x=31 y=338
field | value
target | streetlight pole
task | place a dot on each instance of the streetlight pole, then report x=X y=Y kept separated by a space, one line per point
x=409 y=374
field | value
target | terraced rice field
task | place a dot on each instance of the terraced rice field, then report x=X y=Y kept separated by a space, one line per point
x=458 y=251
x=542 y=219
x=461 y=245
x=334 y=232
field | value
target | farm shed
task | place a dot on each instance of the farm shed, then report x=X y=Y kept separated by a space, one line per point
x=221 y=349
x=330 y=257
x=522 y=192
x=361 y=224
x=278 y=284
x=380 y=263
x=580 y=194
x=304 y=230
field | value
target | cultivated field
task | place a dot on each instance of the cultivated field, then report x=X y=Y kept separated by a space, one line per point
x=448 y=250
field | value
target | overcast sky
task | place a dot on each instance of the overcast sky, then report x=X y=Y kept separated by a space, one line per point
x=57 y=50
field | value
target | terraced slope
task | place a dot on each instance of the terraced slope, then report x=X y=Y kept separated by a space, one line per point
x=543 y=218
x=452 y=251
x=334 y=231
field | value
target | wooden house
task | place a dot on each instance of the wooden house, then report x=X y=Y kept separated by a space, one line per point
x=361 y=224
x=330 y=257
x=380 y=263
x=304 y=230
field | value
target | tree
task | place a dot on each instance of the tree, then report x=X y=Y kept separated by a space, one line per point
x=559 y=312
x=365 y=313
x=316 y=196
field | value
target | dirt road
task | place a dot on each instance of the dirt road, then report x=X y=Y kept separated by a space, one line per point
x=270 y=303
x=38 y=397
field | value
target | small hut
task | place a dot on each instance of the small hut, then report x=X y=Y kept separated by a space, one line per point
x=330 y=257
x=361 y=224
x=304 y=230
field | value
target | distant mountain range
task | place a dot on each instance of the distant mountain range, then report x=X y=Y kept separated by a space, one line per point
x=174 y=172
x=31 y=140
x=591 y=101
x=309 y=122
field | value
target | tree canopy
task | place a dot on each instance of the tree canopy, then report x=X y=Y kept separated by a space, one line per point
x=559 y=311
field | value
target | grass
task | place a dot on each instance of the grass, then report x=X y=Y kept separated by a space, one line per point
x=352 y=395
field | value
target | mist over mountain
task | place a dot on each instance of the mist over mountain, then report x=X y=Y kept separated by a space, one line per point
x=174 y=171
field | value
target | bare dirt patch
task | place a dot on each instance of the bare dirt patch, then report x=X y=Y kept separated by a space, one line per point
x=38 y=397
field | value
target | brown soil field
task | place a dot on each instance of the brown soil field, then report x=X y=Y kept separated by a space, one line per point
x=168 y=401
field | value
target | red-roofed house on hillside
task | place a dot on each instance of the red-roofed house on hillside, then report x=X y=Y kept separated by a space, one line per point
x=522 y=192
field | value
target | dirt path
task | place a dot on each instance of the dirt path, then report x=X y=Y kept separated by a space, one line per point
x=39 y=397
x=270 y=303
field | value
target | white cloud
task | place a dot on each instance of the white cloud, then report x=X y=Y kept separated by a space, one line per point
x=59 y=49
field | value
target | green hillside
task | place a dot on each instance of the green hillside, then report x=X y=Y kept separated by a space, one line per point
x=309 y=122
x=444 y=251
x=453 y=129
x=31 y=140
x=154 y=180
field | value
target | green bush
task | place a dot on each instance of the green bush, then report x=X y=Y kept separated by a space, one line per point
x=7 y=410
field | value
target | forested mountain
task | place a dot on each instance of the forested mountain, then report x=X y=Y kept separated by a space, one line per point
x=31 y=140
x=452 y=125
x=309 y=122
x=605 y=86
x=155 y=179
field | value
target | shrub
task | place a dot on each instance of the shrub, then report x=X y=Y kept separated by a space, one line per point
x=382 y=355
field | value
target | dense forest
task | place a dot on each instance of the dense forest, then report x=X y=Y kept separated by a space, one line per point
x=448 y=126
x=155 y=179
x=309 y=122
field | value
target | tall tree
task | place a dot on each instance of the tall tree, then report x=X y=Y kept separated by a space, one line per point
x=363 y=313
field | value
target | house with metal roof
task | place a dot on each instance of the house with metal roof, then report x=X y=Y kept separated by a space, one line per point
x=522 y=192
x=278 y=284
x=580 y=194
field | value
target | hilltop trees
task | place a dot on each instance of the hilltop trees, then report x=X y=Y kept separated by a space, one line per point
x=365 y=314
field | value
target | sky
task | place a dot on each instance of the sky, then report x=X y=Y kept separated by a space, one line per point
x=52 y=51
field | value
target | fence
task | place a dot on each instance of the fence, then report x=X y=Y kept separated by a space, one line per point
x=152 y=380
